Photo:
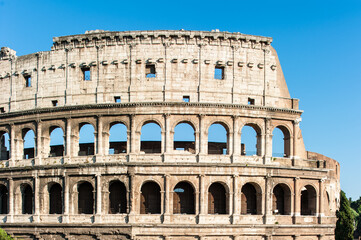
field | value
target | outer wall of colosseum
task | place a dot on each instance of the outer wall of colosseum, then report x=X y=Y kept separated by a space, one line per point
x=162 y=189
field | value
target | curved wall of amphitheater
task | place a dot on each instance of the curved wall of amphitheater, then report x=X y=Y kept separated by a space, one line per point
x=162 y=189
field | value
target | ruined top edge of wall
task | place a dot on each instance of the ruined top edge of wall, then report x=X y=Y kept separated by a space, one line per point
x=90 y=35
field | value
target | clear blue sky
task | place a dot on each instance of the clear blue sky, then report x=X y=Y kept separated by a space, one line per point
x=318 y=42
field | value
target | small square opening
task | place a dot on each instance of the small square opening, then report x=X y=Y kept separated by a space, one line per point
x=86 y=74
x=27 y=80
x=185 y=98
x=219 y=72
x=150 y=71
x=55 y=103
x=2 y=110
x=117 y=99
x=250 y=101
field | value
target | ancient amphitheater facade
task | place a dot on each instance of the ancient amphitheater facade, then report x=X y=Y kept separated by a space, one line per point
x=120 y=186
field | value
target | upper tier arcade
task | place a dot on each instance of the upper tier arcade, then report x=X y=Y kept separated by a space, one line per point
x=101 y=67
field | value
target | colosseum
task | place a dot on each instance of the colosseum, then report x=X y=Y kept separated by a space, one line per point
x=141 y=135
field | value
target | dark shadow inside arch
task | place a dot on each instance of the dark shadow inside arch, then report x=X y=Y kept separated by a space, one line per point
x=281 y=200
x=86 y=139
x=56 y=142
x=29 y=143
x=27 y=199
x=217 y=139
x=85 y=198
x=183 y=199
x=4 y=200
x=55 y=199
x=217 y=199
x=117 y=138
x=151 y=138
x=4 y=146
x=150 y=198
x=184 y=138
x=117 y=197
x=308 y=200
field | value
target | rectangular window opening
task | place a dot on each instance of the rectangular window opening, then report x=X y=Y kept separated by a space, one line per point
x=250 y=101
x=55 y=103
x=117 y=99
x=27 y=80
x=219 y=72
x=185 y=98
x=2 y=110
x=150 y=71
x=86 y=74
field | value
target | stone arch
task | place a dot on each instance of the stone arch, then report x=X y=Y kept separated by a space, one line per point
x=56 y=149
x=27 y=197
x=251 y=199
x=183 y=198
x=188 y=142
x=29 y=143
x=218 y=198
x=117 y=197
x=86 y=146
x=246 y=139
x=281 y=199
x=286 y=141
x=120 y=144
x=155 y=144
x=149 y=120
x=85 y=197
x=55 y=198
x=4 y=145
x=4 y=199
x=308 y=200
x=219 y=147
x=150 y=198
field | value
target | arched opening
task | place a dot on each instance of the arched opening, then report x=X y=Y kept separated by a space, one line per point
x=117 y=197
x=281 y=200
x=151 y=138
x=86 y=139
x=308 y=200
x=4 y=146
x=150 y=200
x=217 y=139
x=249 y=200
x=117 y=139
x=183 y=199
x=85 y=198
x=56 y=142
x=184 y=138
x=250 y=140
x=55 y=199
x=281 y=142
x=29 y=143
x=217 y=199
x=27 y=199
x=4 y=199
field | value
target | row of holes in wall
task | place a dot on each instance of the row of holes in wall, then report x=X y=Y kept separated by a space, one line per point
x=184 y=199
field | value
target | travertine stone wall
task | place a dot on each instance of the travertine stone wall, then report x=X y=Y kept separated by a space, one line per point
x=185 y=63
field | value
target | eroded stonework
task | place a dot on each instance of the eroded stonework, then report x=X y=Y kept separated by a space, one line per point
x=167 y=189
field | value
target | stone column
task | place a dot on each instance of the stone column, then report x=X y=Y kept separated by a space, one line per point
x=320 y=202
x=38 y=148
x=68 y=142
x=236 y=139
x=132 y=210
x=166 y=198
x=13 y=153
x=268 y=199
x=202 y=203
x=297 y=199
x=36 y=197
x=99 y=195
x=134 y=147
x=230 y=143
x=11 y=199
x=99 y=137
x=203 y=140
x=66 y=197
x=196 y=142
x=168 y=140
x=268 y=141
x=296 y=124
x=236 y=210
